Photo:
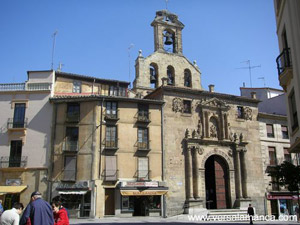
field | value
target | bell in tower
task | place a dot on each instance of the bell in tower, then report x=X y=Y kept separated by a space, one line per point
x=169 y=38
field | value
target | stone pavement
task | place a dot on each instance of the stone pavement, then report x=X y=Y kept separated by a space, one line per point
x=183 y=219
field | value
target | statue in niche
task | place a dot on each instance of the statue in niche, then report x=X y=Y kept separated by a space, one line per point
x=213 y=131
x=199 y=130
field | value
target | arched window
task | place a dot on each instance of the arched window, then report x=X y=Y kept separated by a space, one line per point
x=187 y=78
x=153 y=69
x=169 y=41
x=171 y=75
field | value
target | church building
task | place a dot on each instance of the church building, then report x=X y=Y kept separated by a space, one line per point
x=211 y=145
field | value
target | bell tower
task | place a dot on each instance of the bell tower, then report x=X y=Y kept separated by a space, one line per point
x=167 y=32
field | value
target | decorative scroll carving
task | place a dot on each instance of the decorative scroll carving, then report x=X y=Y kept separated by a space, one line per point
x=247 y=113
x=200 y=150
x=230 y=152
x=177 y=105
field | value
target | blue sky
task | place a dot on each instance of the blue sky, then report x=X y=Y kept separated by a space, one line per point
x=94 y=36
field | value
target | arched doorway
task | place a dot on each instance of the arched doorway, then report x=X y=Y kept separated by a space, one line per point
x=217 y=183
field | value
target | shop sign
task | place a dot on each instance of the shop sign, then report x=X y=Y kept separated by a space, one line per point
x=274 y=197
x=13 y=182
x=140 y=184
x=142 y=193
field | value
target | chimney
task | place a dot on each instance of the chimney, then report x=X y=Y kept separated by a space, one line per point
x=253 y=95
x=211 y=88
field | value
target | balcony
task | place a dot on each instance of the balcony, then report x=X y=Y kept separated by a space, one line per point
x=13 y=124
x=143 y=117
x=73 y=117
x=143 y=146
x=111 y=175
x=8 y=162
x=111 y=116
x=143 y=175
x=26 y=87
x=70 y=146
x=284 y=67
x=111 y=144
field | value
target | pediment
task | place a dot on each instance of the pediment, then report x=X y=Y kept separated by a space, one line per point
x=213 y=103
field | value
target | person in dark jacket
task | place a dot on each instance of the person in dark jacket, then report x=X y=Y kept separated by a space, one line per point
x=250 y=213
x=39 y=211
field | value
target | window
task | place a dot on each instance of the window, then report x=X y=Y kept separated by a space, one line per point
x=15 y=154
x=73 y=112
x=111 y=137
x=143 y=138
x=143 y=169
x=111 y=110
x=70 y=168
x=287 y=155
x=71 y=142
x=284 y=132
x=110 y=168
x=117 y=91
x=170 y=74
x=19 y=115
x=272 y=156
x=293 y=109
x=240 y=112
x=270 y=130
x=76 y=87
x=187 y=106
x=143 y=112
x=187 y=78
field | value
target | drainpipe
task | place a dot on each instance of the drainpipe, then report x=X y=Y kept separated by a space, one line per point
x=54 y=117
x=100 y=153
x=164 y=205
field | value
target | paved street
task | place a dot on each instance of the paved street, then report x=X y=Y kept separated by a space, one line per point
x=181 y=219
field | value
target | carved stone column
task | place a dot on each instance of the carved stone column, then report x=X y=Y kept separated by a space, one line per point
x=221 y=125
x=226 y=126
x=189 y=173
x=243 y=173
x=195 y=172
x=206 y=125
x=237 y=169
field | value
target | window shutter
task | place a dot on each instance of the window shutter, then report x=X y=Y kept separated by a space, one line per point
x=111 y=167
x=70 y=168
x=143 y=168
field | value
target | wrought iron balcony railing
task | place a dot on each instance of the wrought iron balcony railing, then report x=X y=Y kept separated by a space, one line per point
x=7 y=161
x=111 y=116
x=143 y=175
x=73 y=117
x=70 y=146
x=111 y=144
x=11 y=123
x=111 y=175
x=284 y=61
x=143 y=146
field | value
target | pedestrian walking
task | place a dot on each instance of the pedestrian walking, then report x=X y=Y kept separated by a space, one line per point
x=60 y=213
x=250 y=213
x=38 y=211
x=12 y=216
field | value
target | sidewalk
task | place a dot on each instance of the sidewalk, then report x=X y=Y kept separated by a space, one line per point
x=175 y=219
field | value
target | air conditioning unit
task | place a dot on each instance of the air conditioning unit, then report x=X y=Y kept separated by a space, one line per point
x=84 y=183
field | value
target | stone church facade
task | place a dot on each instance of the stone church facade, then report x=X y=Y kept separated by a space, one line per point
x=211 y=146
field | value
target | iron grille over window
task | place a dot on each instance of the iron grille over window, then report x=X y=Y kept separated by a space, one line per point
x=143 y=142
x=111 y=137
x=284 y=60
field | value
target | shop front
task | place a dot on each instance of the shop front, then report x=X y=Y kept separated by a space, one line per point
x=10 y=194
x=141 y=198
x=76 y=198
x=282 y=203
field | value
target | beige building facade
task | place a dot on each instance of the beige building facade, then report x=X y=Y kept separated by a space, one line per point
x=288 y=64
x=26 y=116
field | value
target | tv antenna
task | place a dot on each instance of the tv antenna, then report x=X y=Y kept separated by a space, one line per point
x=262 y=78
x=129 y=67
x=167 y=4
x=249 y=67
x=53 y=47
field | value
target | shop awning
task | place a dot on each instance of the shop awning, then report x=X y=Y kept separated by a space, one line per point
x=72 y=192
x=142 y=192
x=11 y=189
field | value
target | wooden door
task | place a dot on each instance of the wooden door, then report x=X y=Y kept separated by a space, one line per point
x=109 y=201
x=220 y=184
